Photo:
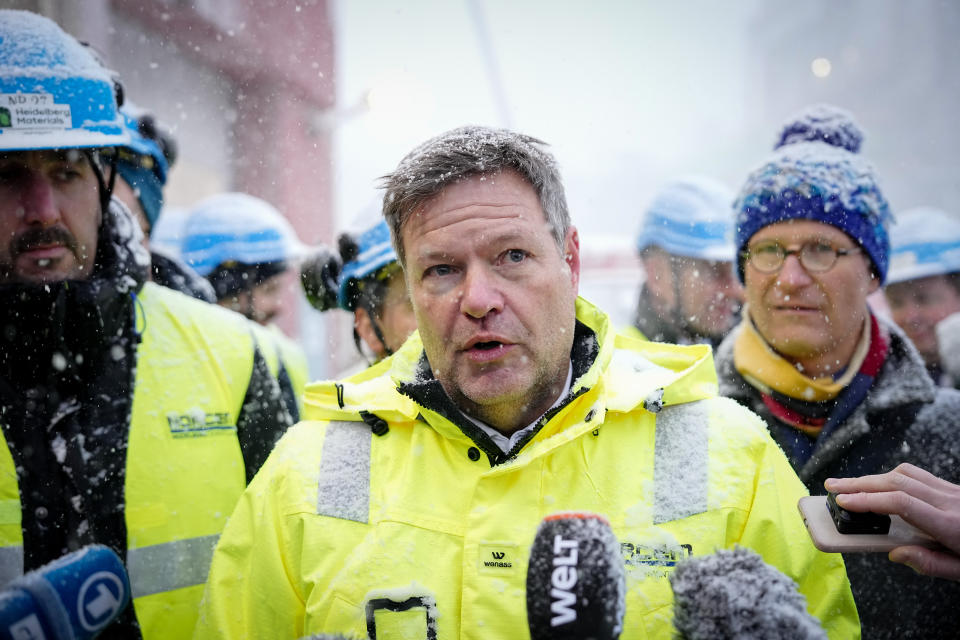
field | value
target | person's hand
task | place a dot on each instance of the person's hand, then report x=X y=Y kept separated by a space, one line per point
x=922 y=499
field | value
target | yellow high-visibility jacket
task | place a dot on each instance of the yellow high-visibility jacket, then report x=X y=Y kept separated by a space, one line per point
x=380 y=512
x=184 y=468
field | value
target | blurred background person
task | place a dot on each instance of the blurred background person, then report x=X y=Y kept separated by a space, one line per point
x=366 y=280
x=923 y=288
x=690 y=294
x=247 y=250
x=142 y=169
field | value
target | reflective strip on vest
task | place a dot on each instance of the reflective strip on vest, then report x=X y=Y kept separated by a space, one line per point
x=343 y=488
x=680 y=462
x=11 y=564
x=169 y=566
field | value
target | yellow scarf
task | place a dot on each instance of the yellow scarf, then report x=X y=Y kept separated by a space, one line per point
x=765 y=369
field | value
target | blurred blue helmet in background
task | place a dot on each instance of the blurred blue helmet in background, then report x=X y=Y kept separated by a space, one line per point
x=691 y=217
x=371 y=251
x=924 y=242
x=237 y=228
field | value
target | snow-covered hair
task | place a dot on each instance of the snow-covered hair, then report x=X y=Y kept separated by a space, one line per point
x=466 y=152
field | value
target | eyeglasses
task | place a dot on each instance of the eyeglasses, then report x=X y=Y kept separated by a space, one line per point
x=816 y=256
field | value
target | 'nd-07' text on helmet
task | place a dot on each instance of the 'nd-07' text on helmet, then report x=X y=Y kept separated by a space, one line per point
x=54 y=94
x=925 y=242
x=691 y=217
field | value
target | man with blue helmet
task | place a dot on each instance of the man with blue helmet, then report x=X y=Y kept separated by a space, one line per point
x=690 y=294
x=366 y=280
x=923 y=287
x=142 y=169
x=130 y=415
x=244 y=247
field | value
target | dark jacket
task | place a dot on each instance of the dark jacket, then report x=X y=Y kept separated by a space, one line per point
x=68 y=356
x=173 y=273
x=904 y=418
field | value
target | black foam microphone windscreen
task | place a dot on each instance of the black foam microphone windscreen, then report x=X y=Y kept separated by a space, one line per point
x=576 y=586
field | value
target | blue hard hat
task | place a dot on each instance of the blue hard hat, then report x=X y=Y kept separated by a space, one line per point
x=925 y=242
x=691 y=217
x=374 y=252
x=237 y=227
x=54 y=94
x=149 y=152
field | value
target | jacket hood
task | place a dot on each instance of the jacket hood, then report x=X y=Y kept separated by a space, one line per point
x=626 y=372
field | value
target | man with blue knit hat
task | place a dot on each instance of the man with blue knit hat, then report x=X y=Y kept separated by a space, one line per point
x=843 y=391
x=690 y=294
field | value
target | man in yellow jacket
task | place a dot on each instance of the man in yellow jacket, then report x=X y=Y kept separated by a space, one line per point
x=130 y=414
x=406 y=505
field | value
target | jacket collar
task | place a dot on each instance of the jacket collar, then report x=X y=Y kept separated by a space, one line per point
x=902 y=380
x=619 y=373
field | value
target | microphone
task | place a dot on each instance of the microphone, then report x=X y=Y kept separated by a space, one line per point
x=72 y=598
x=576 y=585
x=735 y=594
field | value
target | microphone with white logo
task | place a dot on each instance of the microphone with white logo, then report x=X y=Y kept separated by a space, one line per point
x=72 y=598
x=576 y=585
x=735 y=594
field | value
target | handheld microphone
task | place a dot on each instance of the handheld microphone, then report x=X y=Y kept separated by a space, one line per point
x=576 y=585
x=72 y=598
x=735 y=594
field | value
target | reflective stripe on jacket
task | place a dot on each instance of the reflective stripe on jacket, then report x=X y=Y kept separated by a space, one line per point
x=403 y=527
x=184 y=468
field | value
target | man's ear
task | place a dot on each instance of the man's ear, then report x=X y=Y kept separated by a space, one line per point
x=364 y=327
x=571 y=255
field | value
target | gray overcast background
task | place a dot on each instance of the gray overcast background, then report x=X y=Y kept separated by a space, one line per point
x=630 y=94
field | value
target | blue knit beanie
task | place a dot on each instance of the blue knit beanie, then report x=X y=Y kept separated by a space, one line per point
x=815 y=173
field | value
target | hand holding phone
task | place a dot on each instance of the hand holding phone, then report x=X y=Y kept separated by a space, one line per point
x=826 y=536
x=929 y=503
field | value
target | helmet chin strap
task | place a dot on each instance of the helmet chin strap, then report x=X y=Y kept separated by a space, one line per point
x=372 y=317
x=105 y=185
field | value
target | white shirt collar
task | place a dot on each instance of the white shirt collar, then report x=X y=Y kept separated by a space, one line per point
x=507 y=443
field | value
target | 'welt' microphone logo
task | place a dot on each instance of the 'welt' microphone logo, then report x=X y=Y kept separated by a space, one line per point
x=563 y=581
x=576 y=584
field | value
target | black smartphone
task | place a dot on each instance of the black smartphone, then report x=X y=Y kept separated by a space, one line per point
x=854 y=522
